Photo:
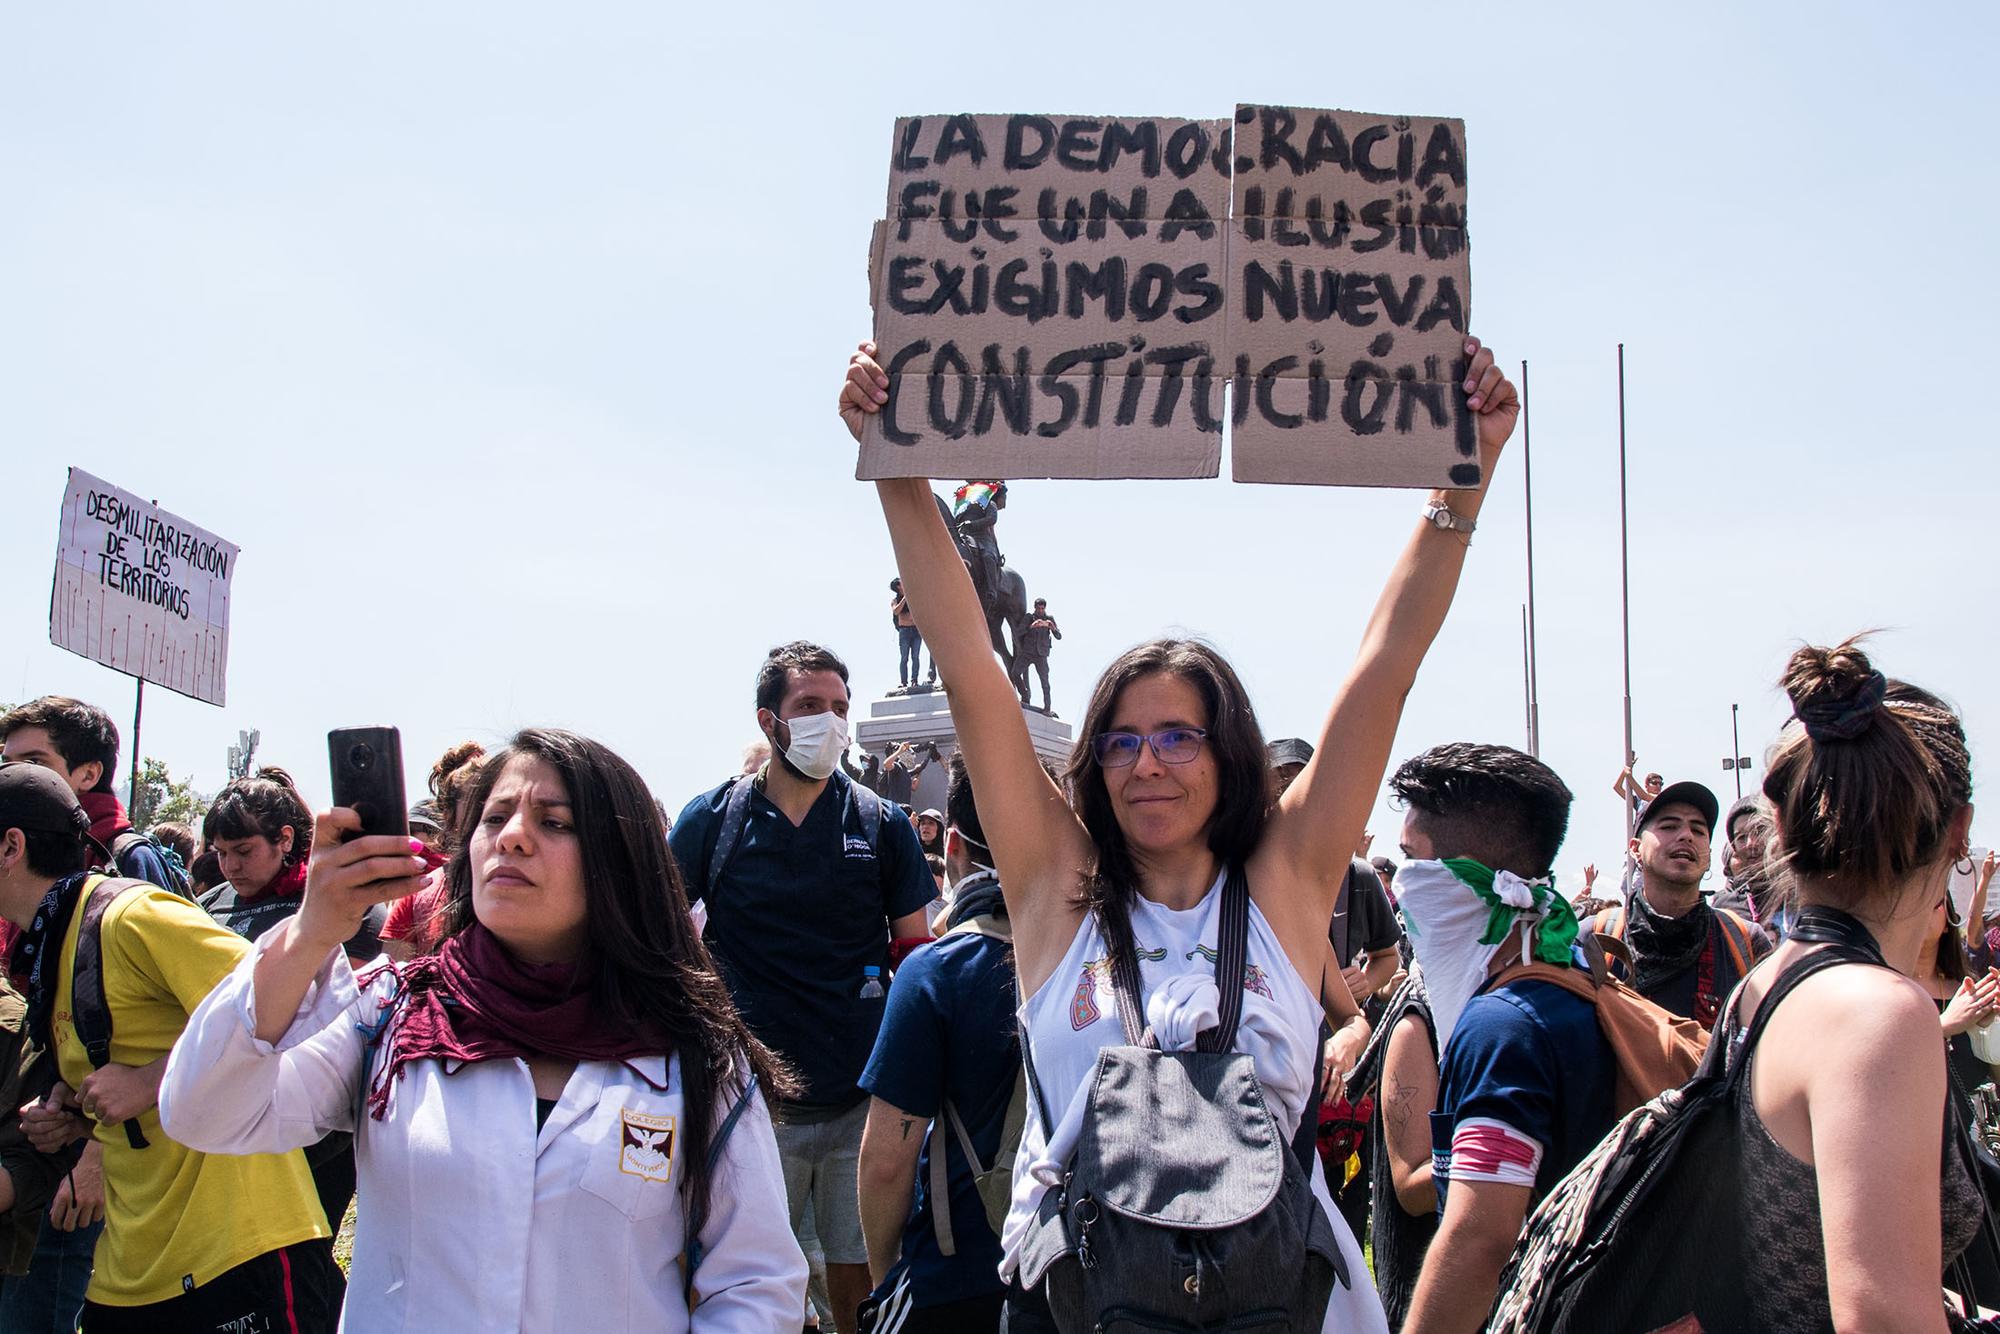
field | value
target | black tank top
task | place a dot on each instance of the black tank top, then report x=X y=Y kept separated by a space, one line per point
x=1781 y=1219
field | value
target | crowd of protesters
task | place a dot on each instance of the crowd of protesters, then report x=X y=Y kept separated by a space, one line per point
x=1147 y=1042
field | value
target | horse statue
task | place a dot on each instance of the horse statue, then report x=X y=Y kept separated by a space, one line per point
x=1003 y=593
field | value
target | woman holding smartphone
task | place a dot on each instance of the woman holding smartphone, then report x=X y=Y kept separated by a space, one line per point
x=1168 y=792
x=559 y=1118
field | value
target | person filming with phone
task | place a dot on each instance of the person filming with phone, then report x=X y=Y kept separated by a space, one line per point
x=559 y=1119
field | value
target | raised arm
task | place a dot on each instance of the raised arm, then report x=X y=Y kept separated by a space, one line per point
x=1321 y=815
x=1038 y=847
x=273 y=1057
x=343 y=880
x=1975 y=911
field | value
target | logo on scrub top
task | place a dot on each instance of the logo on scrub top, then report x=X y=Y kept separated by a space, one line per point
x=646 y=1145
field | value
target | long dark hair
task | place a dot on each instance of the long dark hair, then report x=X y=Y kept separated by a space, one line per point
x=648 y=965
x=1243 y=773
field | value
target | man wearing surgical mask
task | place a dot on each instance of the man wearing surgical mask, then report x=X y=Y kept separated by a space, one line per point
x=806 y=876
x=1526 y=1079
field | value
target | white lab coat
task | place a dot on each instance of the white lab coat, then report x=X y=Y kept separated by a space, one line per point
x=468 y=1218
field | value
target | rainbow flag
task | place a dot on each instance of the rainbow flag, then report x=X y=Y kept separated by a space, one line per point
x=974 y=493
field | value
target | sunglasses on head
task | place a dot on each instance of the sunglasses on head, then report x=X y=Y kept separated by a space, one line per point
x=1176 y=745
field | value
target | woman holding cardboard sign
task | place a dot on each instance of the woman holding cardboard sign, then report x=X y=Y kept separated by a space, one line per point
x=1126 y=886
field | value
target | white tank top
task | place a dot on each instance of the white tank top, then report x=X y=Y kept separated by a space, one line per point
x=1074 y=1015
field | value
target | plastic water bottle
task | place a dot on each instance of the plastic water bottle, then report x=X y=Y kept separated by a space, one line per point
x=871 y=983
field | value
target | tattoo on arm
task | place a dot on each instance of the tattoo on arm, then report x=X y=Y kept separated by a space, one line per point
x=907 y=1122
x=1397 y=1109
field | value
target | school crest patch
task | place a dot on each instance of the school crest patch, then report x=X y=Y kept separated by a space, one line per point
x=646 y=1145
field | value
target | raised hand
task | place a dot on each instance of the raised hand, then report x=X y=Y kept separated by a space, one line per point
x=343 y=880
x=866 y=389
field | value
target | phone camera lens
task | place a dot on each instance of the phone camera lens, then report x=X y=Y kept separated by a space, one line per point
x=361 y=758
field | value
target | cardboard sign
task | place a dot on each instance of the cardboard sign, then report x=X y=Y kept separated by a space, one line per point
x=1049 y=298
x=1094 y=297
x=140 y=590
x=1347 y=314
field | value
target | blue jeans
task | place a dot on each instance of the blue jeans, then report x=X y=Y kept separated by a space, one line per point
x=909 y=652
x=48 y=1299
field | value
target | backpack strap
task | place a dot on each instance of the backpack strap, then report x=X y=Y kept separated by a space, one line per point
x=1126 y=988
x=90 y=1011
x=1232 y=961
x=692 y=1252
x=993 y=926
x=1839 y=939
x=1826 y=956
x=735 y=810
x=1737 y=937
x=869 y=807
x=1572 y=980
x=940 y=1174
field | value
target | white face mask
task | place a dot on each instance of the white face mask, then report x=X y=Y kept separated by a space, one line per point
x=818 y=742
x=1445 y=919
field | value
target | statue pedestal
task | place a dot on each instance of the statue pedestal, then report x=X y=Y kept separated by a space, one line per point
x=924 y=718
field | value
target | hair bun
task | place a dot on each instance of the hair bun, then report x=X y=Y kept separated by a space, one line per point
x=274 y=774
x=1835 y=692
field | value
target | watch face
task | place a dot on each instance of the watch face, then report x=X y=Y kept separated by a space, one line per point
x=1441 y=517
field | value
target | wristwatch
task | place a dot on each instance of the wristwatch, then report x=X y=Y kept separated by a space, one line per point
x=1441 y=516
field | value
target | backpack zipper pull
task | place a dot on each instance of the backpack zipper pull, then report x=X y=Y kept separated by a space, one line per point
x=1086 y=1215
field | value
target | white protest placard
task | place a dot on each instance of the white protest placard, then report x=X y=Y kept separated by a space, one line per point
x=141 y=590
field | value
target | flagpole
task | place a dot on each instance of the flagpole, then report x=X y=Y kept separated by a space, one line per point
x=1533 y=646
x=1625 y=579
x=1527 y=688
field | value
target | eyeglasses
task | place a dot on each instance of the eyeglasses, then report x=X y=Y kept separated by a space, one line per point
x=1176 y=745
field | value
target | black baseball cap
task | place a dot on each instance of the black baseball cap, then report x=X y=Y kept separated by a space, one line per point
x=34 y=800
x=1289 y=750
x=1686 y=794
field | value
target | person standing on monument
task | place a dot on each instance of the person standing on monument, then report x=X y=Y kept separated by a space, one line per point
x=806 y=877
x=909 y=640
x=1033 y=651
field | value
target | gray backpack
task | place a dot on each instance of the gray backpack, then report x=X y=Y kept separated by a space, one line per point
x=1183 y=1207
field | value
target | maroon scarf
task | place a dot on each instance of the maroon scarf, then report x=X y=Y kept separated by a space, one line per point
x=474 y=1001
x=107 y=818
x=288 y=883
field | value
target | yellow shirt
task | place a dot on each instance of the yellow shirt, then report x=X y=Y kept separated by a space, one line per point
x=173 y=1218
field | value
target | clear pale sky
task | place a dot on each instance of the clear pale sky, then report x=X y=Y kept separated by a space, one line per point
x=504 y=340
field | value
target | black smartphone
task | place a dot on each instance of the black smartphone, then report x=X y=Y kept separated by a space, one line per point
x=367 y=764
